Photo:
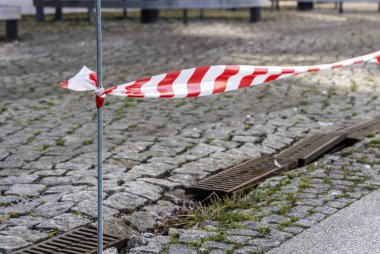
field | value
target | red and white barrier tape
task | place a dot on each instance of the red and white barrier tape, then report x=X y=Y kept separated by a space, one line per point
x=201 y=81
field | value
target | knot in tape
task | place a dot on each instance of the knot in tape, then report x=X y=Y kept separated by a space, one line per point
x=100 y=95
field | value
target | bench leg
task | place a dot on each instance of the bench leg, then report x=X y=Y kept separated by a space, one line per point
x=379 y=7
x=91 y=16
x=149 y=16
x=11 y=29
x=201 y=13
x=305 y=6
x=255 y=14
x=40 y=14
x=125 y=13
x=185 y=17
x=340 y=7
x=58 y=14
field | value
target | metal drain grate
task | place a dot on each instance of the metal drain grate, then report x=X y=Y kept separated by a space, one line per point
x=241 y=177
x=361 y=130
x=77 y=241
x=312 y=147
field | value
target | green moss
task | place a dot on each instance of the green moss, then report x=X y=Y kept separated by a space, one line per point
x=263 y=231
x=54 y=232
x=42 y=148
x=13 y=215
x=305 y=183
x=87 y=142
x=60 y=142
x=284 y=210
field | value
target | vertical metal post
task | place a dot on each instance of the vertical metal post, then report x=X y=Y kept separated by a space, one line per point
x=99 y=58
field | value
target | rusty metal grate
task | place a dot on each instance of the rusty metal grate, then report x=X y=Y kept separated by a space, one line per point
x=77 y=241
x=241 y=177
x=359 y=131
x=312 y=147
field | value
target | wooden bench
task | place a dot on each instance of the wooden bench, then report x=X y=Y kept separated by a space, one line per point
x=11 y=15
x=150 y=8
x=305 y=5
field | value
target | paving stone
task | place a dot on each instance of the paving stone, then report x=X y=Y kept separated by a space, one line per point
x=293 y=230
x=305 y=223
x=193 y=236
x=31 y=190
x=81 y=195
x=9 y=244
x=177 y=248
x=263 y=244
x=26 y=234
x=146 y=190
x=56 y=181
x=53 y=209
x=63 y=222
x=143 y=221
x=155 y=169
x=90 y=207
x=18 y=179
x=218 y=245
x=237 y=239
x=167 y=185
x=125 y=201
x=325 y=210
x=275 y=219
x=25 y=221
x=73 y=166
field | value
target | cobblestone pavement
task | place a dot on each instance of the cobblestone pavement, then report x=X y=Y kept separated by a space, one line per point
x=153 y=148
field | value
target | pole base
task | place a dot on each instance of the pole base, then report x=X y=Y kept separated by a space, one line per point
x=149 y=16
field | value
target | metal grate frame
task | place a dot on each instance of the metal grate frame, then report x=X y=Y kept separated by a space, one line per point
x=241 y=177
x=77 y=241
x=312 y=147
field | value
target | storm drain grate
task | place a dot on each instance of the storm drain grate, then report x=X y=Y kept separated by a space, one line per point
x=241 y=177
x=77 y=241
x=361 y=130
x=312 y=147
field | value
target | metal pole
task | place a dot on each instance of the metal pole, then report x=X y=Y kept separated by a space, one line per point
x=100 y=126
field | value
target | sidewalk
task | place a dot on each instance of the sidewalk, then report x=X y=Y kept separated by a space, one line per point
x=353 y=230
